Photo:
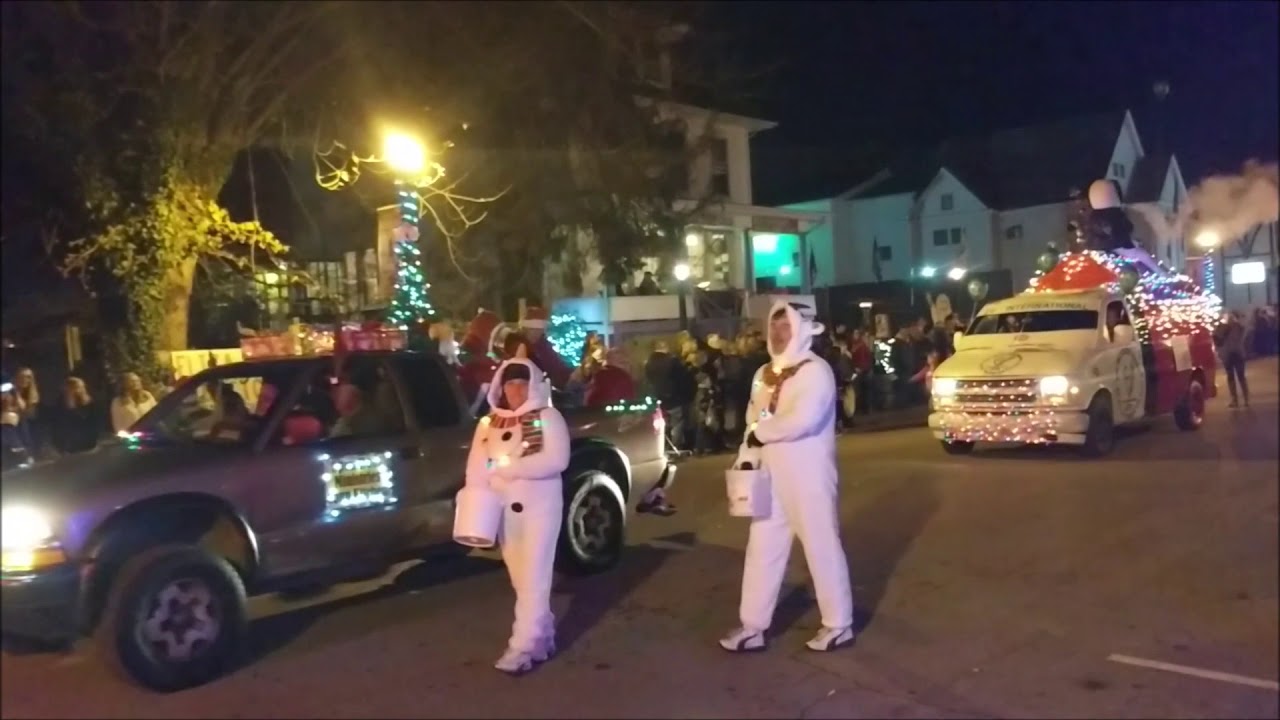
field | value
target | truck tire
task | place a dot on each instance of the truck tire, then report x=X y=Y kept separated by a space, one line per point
x=957 y=447
x=593 y=534
x=175 y=617
x=1100 y=437
x=1189 y=415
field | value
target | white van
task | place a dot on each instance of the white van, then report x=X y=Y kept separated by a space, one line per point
x=1065 y=367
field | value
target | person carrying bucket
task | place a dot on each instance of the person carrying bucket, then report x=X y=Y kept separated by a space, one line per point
x=518 y=455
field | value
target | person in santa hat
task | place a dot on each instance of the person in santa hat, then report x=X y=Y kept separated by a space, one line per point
x=533 y=329
x=478 y=365
x=520 y=450
x=611 y=383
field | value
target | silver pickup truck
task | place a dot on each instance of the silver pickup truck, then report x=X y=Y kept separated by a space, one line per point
x=247 y=479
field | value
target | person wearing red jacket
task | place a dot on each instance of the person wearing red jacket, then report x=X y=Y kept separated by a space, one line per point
x=611 y=383
x=533 y=330
x=478 y=365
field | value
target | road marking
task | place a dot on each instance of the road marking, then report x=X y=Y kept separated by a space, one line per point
x=1196 y=672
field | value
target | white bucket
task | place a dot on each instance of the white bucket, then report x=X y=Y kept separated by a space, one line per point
x=749 y=493
x=477 y=517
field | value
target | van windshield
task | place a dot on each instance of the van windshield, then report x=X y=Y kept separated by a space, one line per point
x=1033 y=322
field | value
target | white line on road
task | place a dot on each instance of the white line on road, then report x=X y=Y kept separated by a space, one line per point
x=1196 y=672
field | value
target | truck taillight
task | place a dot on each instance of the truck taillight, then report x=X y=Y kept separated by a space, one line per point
x=659 y=422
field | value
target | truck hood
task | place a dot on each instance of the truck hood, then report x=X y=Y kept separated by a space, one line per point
x=67 y=482
x=1023 y=360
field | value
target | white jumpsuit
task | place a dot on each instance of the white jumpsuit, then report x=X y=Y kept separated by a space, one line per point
x=799 y=454
x=526 y=470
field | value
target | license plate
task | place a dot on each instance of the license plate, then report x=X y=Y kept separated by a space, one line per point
x=352 y=481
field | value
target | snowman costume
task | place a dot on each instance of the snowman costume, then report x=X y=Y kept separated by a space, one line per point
x=521 y=454
x=791 y=433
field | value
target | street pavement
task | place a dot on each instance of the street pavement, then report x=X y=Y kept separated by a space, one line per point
x=1012 y=583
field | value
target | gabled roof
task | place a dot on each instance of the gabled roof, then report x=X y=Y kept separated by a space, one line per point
x=1147 y=181
x=1022 y=167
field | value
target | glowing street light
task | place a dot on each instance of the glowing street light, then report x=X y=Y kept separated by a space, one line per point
x=681 y=271
x=927 y=272
x=957 y=273
x=691 y=240
x=1208 y=239
x=404 y=154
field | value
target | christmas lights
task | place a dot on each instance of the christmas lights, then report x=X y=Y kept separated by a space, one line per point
x=409 y=304
x=568 y=337
x=356 y=481
x=630 y=406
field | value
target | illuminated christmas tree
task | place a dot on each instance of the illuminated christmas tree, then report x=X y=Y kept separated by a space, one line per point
x=409 y=304
x=568 y=337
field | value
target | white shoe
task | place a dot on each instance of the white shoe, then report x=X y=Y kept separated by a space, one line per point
x=829 y=639
x=519 y=662
x=744 y=639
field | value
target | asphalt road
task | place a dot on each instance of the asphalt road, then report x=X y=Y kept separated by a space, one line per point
x=1014 y=583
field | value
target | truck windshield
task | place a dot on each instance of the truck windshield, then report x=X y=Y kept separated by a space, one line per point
x=219 y=408
x=1037 y=321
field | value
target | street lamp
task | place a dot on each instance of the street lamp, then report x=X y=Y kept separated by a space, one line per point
x=681 y=272
x=1208 y=239
x=957 y=273
x=927 y=271
x=404 y=154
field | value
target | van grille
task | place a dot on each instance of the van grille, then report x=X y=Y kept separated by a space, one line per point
x=1002 y=391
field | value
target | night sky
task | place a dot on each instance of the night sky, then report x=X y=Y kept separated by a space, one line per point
x=855 y=76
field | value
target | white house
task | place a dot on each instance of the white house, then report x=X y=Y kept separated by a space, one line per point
x=994 y=203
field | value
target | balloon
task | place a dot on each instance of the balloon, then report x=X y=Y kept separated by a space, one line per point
x=977 y=289
x=1128 y=280
x=1047 y=261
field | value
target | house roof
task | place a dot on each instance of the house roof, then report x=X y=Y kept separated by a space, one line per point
x=1147 y=181
x=1022 y=167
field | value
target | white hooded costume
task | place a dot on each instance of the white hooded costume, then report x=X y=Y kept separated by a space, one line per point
x=792 y=412
x=521 y=453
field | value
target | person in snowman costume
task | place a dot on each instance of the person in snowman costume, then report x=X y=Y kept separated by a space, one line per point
x=520 y=450
x=791 y=433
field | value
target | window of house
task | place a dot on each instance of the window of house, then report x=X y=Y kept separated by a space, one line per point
x=719 y=167
x=947 y=202
x=1013 y=232
x=886 y=253
x=957 y=235
x=939 y=237
x=1118 y=169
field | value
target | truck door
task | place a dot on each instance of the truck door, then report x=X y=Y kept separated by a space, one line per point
x=442 y=432
x=1123 y=363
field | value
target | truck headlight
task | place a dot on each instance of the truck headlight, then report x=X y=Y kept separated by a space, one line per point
x=944 y=387
x=1055 y=386
x=27 y=539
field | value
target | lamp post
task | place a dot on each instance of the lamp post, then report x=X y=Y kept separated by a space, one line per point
x=681 y=272
x=407 y=158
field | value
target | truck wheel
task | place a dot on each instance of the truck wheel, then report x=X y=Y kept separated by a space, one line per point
x=1189 y=415
x=957 y=447
x=175 y=618
x=593 y=534
x=1100 y=438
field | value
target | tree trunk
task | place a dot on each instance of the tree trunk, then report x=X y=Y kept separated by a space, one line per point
x=177 y=306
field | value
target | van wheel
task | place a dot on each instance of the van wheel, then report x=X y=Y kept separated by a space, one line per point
x=1100 y=438
x=175 y=618
x=593 y=534
x=1189 y=415
x=957 y=447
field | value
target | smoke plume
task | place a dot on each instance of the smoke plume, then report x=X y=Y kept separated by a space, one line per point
x=1231 y=205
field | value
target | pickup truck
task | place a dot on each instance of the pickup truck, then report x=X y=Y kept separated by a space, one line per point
x=247 y=479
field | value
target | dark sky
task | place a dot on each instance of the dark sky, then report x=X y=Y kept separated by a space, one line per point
x=883 y=74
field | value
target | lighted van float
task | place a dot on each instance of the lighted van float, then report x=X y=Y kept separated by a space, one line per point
x=1099 y=341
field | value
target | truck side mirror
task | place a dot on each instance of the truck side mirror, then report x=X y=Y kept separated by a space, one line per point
x=1122 y=335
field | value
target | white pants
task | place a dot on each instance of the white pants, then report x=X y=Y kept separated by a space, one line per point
x=805 y=506
x=530 y=530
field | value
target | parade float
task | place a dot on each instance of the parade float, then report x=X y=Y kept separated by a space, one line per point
x=1104 y=337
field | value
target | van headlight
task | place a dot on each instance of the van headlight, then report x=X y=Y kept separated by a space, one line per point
x=27 y=539
x=1055 y=386
x=944 y=387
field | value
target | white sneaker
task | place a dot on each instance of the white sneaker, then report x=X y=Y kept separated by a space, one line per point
x=744 y=639
x=829 y=639
x=519 y=662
